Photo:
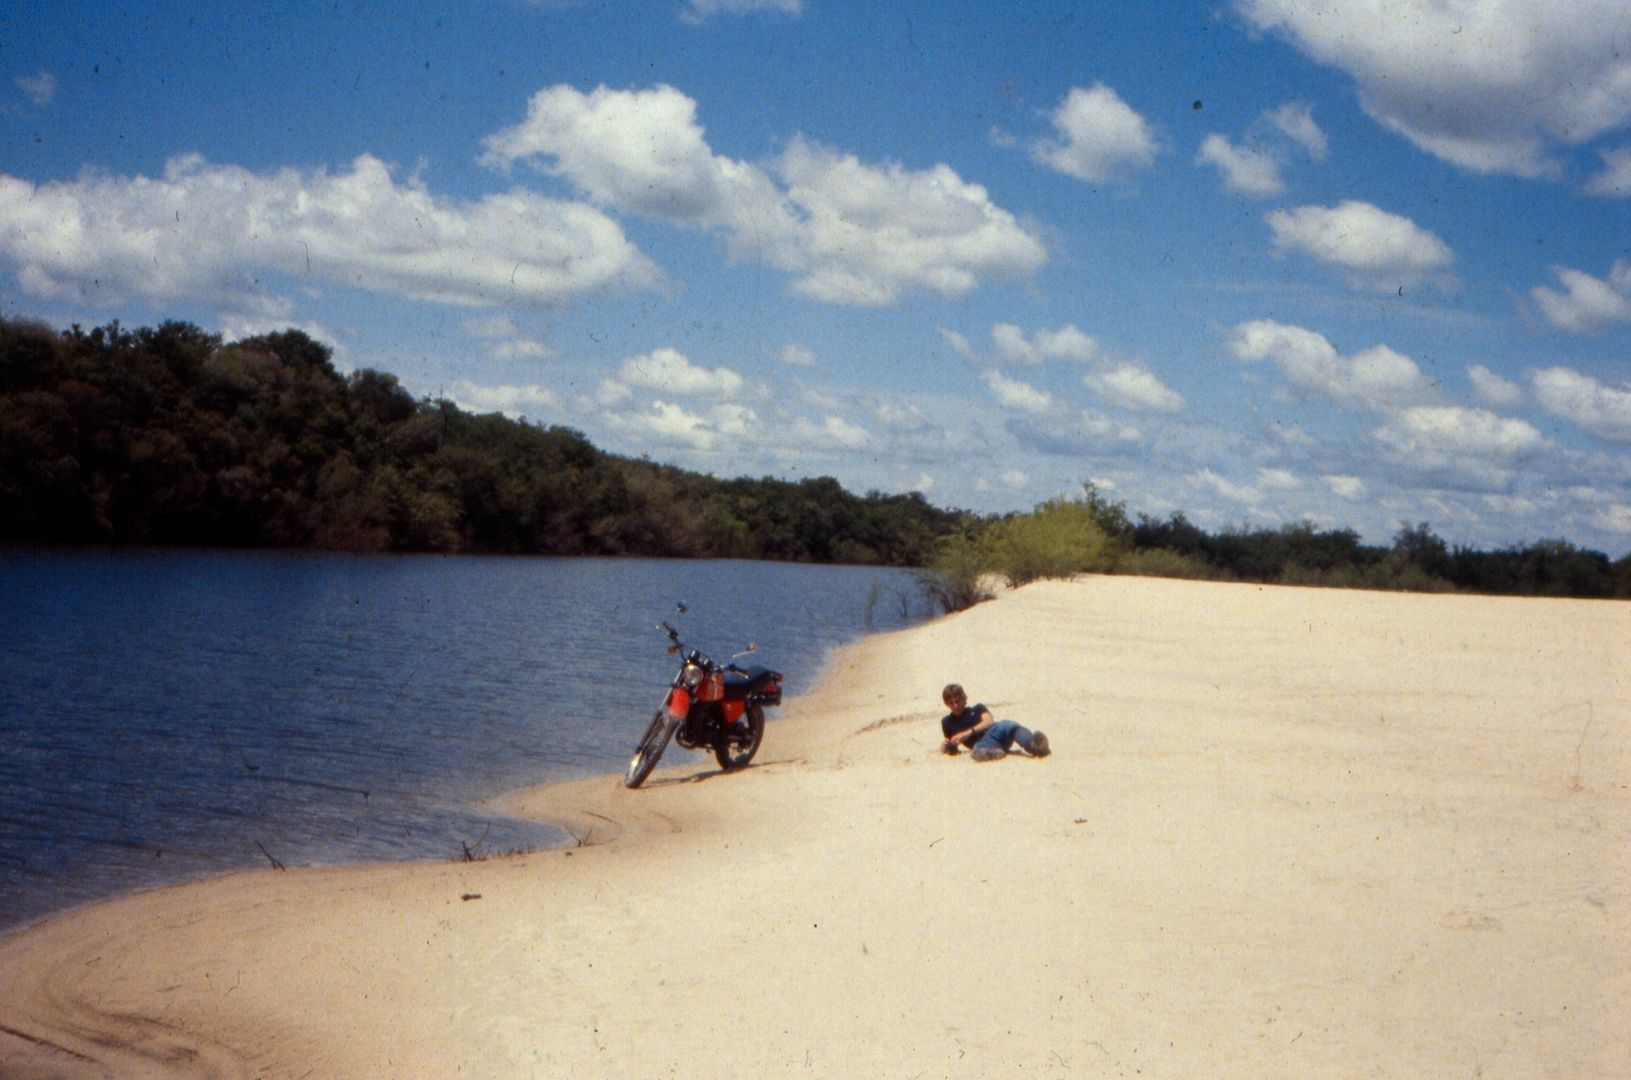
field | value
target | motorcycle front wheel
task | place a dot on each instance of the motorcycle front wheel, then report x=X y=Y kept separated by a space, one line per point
x=736 y=748
x=650 y=749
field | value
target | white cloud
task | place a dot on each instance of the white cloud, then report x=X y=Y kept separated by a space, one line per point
x=520 y=349
x=1238 y=493
x=511 y=400
x=850 y=232
x=959 y=344
x=1492 y=390
x=1099 y=136
x=1246 y=171
x=797 y=356
x=1016 y=395
x=1614 y=518
x=1295 y=120
x=1065 y=343
x=833 y=433
x=1473 y=444
x=1374 y=248
x=1278 y=480
x=1345 y=487
x=1012 y=346
x=1614 y=182
x=1061 y=435
x=1134 y=387
x=1589 y=305
x=670 y=371
x=697 y=10
x=1491 y=87
x=1605 y=411
x=204 y=233
x=672 y=425
x=1376 y=377
x=901 y=418
x=507 y=342
x=40 y=88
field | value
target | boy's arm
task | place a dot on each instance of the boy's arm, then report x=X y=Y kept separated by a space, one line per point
x=964 y=737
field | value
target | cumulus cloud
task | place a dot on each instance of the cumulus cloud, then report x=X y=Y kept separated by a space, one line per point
x=1016 y=395
x=1208 y=480
x=1278 y=480
x=1614 y=182
x=512 y=400
x=1062 y=435
x=697 y=10
x=670 y=371
x=851 y=232
x=1605 y=411
x=1376 y=377
x=1133 y=387
x=1492 y=390
x=1066 y=343
x=1098 y=136
x=957 y=343
x=797 y=356
x=1614 y=518
x=1345 y=487
x=1473 y=445
x=1588 y=305
x=1246 y=171
x=1373 y=248
x=40 y=88
x=832 y=433
x=1253 y=166
x=1295 y=120
x=204 y=233
x=505 y=339
x=1491 y=87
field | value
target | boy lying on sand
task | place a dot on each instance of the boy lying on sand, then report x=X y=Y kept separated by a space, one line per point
x=973 y=725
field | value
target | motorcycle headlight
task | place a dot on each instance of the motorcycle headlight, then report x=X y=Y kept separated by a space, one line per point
x=692 y=676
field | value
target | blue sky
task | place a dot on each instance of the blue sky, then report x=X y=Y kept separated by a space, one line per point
x=1258 y=261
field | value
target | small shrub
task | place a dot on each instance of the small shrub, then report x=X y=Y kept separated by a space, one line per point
x=954 y=580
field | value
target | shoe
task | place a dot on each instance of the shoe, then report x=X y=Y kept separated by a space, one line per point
x=988 y=753
x=1039 y=745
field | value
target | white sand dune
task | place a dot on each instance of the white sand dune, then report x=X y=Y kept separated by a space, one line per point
x=1283 y=833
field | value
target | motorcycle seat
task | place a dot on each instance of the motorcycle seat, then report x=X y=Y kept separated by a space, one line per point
x=756 y=680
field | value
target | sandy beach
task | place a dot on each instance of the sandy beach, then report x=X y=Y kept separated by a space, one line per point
x=1283 y=833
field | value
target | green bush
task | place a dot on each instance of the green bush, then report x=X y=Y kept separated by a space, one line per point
x=1059 y=539
x=956 y=578
x=1166 y=563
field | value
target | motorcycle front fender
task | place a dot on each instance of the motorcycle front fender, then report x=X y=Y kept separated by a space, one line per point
x=679 y=703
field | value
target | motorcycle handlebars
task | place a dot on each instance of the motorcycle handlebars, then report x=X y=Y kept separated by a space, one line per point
x=692 y=654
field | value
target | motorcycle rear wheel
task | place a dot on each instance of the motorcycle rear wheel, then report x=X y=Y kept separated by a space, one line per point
x=736 y=753
x=650 y=749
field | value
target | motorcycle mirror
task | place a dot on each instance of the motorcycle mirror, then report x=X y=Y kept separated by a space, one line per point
x=753 y=646
x=679 y=606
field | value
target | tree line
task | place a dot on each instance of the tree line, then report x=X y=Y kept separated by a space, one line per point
x=168 y=435
x=1093 y=534
x=171 y=435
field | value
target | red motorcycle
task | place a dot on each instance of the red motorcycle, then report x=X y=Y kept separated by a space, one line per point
x=710 y=706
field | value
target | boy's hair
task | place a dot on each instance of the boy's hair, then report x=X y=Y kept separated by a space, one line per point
x=952 y=692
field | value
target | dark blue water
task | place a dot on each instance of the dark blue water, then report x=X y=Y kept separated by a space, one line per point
x=169 y=715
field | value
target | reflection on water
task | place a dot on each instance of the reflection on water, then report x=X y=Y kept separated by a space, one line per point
x=167 y=715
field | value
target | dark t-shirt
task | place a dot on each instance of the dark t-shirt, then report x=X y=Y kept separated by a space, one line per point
x=952 y=723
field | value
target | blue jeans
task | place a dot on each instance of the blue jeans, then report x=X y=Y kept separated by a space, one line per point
x=1003 y=735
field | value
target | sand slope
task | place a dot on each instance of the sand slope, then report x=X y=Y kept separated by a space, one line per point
x=1284 y=832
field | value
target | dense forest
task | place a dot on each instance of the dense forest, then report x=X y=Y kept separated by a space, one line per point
x=170 y=435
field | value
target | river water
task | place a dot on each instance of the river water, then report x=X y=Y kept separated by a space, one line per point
x=169 y=715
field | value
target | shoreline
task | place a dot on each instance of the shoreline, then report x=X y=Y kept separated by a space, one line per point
x=1284 y=832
